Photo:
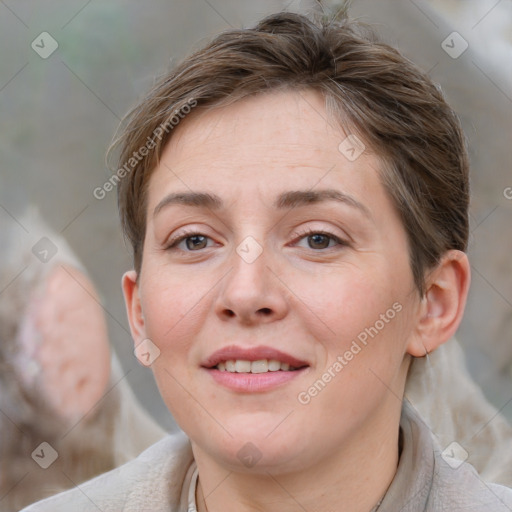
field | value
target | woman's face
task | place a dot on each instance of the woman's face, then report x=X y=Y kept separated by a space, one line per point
x=300 y=260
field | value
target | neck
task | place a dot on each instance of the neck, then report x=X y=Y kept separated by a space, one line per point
x=356 y=476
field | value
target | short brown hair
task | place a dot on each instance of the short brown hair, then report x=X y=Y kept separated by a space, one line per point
x=370 y=87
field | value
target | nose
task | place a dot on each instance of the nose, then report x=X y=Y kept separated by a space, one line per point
x=251 y=292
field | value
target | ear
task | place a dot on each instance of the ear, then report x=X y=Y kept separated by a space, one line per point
x=442 y=307
x=64 y=341
x=133 y=306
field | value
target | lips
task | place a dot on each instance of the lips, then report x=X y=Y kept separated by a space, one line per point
x=253 y=370
x=253 y=354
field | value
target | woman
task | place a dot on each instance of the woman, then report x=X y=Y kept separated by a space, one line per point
x=296 y=197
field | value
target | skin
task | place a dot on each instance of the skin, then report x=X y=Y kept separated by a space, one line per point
x=54 y=377
x=305 y=295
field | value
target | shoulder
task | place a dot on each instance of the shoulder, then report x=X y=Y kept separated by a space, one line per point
x=458 y=487
x=430 y=478
x=154 y=479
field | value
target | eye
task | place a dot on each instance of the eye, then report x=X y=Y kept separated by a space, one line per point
x=321 y=239
x=317 y=240
x=193 y=241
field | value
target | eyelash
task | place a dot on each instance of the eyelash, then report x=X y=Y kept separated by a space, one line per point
x=303 y=234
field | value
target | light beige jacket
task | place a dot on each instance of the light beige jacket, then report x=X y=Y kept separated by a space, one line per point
x=158 y=480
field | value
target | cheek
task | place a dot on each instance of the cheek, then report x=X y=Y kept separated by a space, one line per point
x=345 y=301
x=172 y=308
x=358 y=314
x=178 y=392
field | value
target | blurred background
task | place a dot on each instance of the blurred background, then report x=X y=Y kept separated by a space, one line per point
x=63 y=94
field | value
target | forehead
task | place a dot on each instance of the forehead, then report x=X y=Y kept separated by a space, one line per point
x=288 y=120
x=262 y=144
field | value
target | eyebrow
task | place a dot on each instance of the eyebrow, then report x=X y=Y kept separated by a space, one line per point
x=285 y=200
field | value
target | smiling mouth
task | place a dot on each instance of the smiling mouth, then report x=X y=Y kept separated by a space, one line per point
x=259 y=366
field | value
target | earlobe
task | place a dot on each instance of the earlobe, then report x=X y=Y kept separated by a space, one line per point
x=442 y=307
x=133 y=305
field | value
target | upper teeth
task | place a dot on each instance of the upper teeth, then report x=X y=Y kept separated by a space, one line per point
x=261 y=366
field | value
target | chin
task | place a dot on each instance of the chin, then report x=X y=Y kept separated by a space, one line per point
x=259 y=449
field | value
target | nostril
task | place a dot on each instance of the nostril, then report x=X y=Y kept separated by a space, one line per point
x=266 y=311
